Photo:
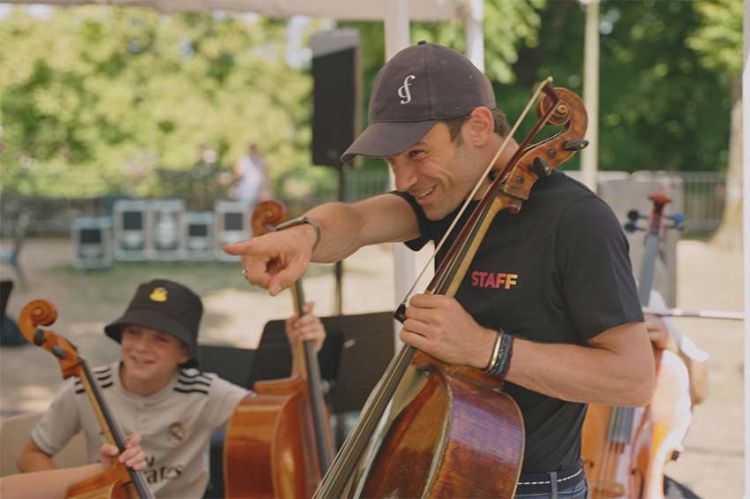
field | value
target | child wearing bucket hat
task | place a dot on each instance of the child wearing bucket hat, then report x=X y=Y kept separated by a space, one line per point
x=155 y=389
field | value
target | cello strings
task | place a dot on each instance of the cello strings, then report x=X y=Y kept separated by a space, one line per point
x=484 y=175
x=379 y=398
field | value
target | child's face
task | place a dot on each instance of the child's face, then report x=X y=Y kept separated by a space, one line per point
x=150 y=356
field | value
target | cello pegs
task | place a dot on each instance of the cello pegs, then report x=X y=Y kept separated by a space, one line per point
x=58 y=352
x=39 y=337
x=540 y=167
x=679 y=221
x=575 y=145
x=632 y=227
x=633 y=215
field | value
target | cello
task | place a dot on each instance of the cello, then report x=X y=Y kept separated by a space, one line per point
x=430 y=429
x=625 y=449
x=279 y=443
x=118 y=481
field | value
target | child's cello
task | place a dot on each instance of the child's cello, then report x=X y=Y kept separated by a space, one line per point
x=118 y=481
x=279 y=443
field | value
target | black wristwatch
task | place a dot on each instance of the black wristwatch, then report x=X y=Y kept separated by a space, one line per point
x=294 y=222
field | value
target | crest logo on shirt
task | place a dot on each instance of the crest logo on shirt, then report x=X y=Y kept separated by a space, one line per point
x=176 y=433
x=495 y=280
x=158 y=295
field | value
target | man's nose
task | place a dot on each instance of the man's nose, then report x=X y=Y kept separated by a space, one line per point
x=405 y=175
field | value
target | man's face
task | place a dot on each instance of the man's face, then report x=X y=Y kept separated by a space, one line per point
x=437 y=171
x=150 y=356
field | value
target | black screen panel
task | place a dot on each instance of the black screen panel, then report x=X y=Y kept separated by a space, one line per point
x=90 y=236
x=132 y=220
x=197 y=230
x=233 y=221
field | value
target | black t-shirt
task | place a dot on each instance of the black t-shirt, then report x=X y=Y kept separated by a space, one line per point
x=557 y=272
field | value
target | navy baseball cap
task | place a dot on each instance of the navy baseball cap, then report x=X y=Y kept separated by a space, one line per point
x=418 y=87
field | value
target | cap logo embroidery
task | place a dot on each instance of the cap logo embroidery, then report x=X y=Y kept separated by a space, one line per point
x=159 y=295
x=403 y=90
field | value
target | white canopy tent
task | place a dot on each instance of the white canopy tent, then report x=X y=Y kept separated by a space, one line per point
x=361 y=10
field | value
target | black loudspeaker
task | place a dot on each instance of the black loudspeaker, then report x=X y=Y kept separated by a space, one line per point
x=336 y=90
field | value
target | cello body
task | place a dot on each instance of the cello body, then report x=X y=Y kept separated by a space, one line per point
x=453 y=425
x=268 y=451
x=611 y=452
x=105 y=485
x=670 y=419
x=635 y=468
x=279 y=442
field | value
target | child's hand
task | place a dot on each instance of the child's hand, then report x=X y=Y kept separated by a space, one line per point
x=659 y=333
x=306 y=328
x=132 y=456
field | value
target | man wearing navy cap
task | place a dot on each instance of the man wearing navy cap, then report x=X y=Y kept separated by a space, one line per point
x=551 y=286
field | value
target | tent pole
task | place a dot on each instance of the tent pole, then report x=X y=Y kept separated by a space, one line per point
x=746 y=230
x=397 y=38
x=473 y=16
x=589 y=156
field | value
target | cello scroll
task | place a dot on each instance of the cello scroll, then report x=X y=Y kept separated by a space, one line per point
x=118 y=480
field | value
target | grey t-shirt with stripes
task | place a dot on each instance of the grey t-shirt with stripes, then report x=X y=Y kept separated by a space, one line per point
x=175 y=424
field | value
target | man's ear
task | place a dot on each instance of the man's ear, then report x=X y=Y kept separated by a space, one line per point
x=481 y=126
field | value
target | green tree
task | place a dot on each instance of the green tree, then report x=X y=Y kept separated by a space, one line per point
x=718 y=41
x=95 y=100
x=656 y=98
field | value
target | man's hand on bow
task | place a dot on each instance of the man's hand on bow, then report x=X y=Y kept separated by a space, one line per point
x=439 y=326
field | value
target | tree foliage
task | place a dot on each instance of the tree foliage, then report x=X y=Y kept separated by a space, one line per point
x=95 y=99
x=660 y=108
x=718 y=38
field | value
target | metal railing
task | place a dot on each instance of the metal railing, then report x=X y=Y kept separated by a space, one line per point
x=704 y=198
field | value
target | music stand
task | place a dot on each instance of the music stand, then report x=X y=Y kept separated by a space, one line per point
x=230 y=363
x=273 y=359
x=357 y=350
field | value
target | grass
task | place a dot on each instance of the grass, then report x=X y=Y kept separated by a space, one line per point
x=116 y=285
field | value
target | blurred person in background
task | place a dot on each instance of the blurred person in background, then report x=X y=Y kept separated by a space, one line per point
x=251 y=183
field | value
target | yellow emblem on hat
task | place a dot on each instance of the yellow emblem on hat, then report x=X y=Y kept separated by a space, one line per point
x=158 y=294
